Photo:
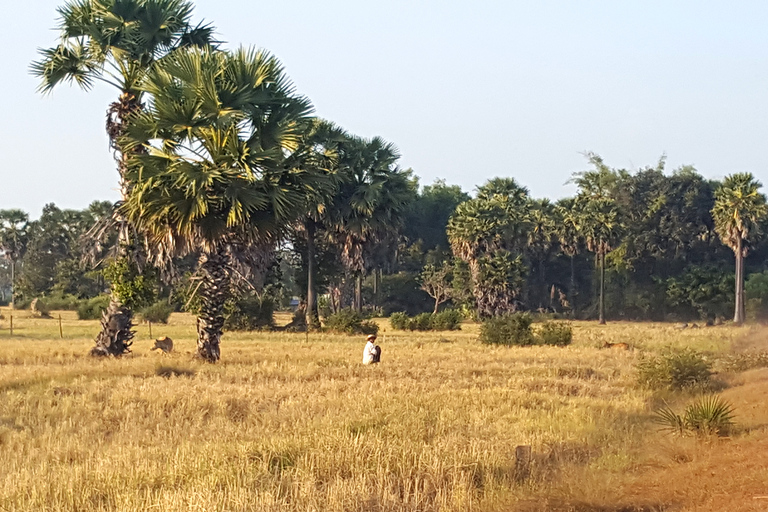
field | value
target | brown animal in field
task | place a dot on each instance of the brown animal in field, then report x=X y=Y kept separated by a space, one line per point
x=164 y=344
x=616 y=346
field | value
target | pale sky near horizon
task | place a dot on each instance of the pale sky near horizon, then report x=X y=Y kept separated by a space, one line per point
x=466 y=90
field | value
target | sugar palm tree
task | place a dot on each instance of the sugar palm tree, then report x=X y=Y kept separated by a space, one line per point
x=599 y=226
x=213 y=177
x=484 y=232
x=13 y=240
x=738 y=211
x=318 y=153
x=567 y=230
x=370 y=203
x=117 y=42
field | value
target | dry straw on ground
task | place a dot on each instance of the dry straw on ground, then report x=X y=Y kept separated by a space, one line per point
x=285 y=424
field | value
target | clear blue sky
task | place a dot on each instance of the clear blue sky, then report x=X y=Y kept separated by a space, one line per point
x=466 y=90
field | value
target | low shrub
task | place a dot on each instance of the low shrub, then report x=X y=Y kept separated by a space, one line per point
x=91 y=309
x=399 y=320
x=250 y=313
x=555 y=333
x=709 y=415
x=349 y=321
x=675 y=370
x=158 y=313
x=62 y=302
x=447 y=320
x=421 y=322
x=509 y=329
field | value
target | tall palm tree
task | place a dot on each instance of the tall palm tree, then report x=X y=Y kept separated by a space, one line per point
x=567 y=230
x=13 y=240
x=318 y=153
x=371 y=201
x=600 y=226
x=484 y=232
x=117 y=42
x=213 y=177
x=540 y=239
x=739 y=209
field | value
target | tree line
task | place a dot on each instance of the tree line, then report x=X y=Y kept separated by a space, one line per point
x=235 y=194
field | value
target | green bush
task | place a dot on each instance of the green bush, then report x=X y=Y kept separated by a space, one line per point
x=157 y=313
x=756 y=292
x=250 y=314
x=421 y=322
x=91 y=309
x=709 y=415
x=508 y=329
x=681 y=369
x=447 y=320
x=65 y=302
x=555 y=333
x=349 y=321
x=399 y=320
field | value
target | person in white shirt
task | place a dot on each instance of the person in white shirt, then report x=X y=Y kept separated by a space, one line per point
x=371 y=352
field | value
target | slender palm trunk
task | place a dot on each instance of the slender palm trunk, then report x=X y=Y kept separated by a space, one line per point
x=573 y=284
x=601 y=306
x=359 y=293
x=739 y=314
x=13 y=281
x=117 y=321
x=213 y=294
x=312 y=319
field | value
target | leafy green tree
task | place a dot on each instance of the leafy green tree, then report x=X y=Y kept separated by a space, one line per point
x=117 y=42
x=703 y=292
x=738 y=211
x=428 y=216
x=212 y=177
x=13 y=240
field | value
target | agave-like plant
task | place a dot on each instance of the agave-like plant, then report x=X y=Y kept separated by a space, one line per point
x=709 y=415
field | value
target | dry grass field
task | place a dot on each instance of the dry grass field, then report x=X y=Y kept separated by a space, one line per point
x=290 y=423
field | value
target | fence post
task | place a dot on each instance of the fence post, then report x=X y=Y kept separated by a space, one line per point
x=150 y=329
x=61 y=330
x=11 y=325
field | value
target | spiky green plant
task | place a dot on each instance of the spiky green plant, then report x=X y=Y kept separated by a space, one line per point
x=708 y=415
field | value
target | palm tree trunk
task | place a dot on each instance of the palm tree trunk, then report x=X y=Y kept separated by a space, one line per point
x=213 y=294
x=117 y=321
x=13 y=282
x=359 y=293
x=601 y=305
x=573 y=284
x=116 y=330
x=311 y=314
x=738 y=317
